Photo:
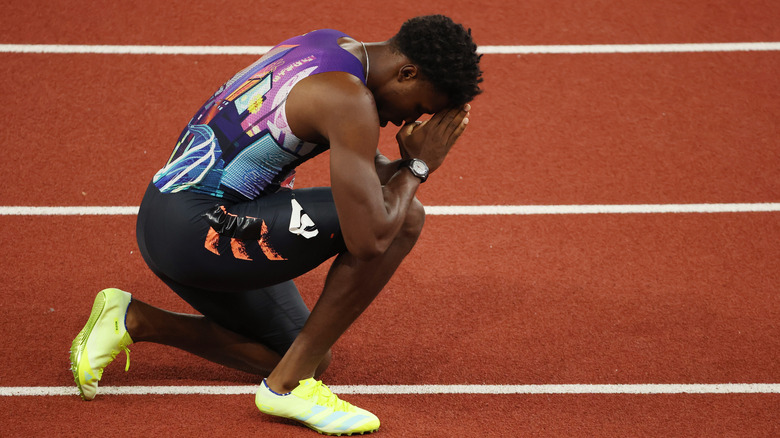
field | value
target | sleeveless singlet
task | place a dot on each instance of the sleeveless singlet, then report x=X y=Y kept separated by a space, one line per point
x=239 y=146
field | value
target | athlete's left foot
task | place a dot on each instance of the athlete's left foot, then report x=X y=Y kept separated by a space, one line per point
x=100 y=341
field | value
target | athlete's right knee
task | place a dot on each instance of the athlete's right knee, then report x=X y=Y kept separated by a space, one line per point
x=413 y=224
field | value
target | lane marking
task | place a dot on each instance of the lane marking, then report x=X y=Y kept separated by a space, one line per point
x=717 y=388
x=67 y=211
x=630 y=48
x=600 y=209
x=488 y=50
x=452 y=209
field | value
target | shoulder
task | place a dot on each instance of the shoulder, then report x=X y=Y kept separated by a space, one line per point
x=336 y=89
x=329 y=103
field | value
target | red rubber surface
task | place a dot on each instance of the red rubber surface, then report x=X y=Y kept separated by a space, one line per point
x=573 y=299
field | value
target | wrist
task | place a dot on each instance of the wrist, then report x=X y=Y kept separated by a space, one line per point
x=416 y=166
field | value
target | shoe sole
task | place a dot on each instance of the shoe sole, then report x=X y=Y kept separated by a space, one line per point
x=337 y=434
x=303 y=423
x=80 y=342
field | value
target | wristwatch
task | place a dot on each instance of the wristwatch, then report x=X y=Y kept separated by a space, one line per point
x=417 y=166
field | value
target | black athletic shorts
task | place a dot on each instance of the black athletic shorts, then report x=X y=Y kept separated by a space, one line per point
x=235 y=262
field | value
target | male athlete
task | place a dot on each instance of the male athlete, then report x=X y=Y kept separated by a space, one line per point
x=221 y=225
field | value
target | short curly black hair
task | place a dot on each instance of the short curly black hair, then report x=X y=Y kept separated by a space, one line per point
x=445 y=54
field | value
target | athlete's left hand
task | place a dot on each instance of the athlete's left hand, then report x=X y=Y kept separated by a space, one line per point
x=432 y=139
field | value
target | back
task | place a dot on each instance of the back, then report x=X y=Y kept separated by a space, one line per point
x=239 y=145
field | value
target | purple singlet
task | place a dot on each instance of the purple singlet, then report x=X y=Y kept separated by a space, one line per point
x=239 y=145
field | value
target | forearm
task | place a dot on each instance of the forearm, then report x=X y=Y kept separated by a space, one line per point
x=398 y=194
x=385 y=168
x=399 y=186
x=371 y=213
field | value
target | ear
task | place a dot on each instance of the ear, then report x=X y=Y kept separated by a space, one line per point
x=407 y=72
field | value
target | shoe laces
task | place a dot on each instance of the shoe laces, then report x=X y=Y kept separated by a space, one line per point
x=327 y=398
x=115 y=353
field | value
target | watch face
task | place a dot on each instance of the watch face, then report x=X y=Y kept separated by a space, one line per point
x=419 y=167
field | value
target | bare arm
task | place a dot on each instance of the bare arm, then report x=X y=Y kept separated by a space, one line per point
x=337 y=108
x=371 y=214
x=385 y=168
x=371 y=197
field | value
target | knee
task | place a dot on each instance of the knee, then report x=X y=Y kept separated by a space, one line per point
x=404 y=239
x=413 y=224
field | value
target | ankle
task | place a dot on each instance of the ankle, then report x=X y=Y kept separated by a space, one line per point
x=132 y=324
x=280 y=385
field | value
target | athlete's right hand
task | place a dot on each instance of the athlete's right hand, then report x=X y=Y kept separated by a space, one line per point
x=432 y=139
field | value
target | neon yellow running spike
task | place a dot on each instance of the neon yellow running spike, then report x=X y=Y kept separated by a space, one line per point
x=312 y=404
x=100 y=341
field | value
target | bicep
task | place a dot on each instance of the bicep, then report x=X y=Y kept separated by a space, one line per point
x=334 y=108
x=357 y=190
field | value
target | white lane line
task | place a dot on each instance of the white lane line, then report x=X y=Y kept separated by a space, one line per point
x=452 y=209
x=599 y=209
x=630 y=48
x=66 y=211
x=134 y=50
x=717 y=388
x=488 y=50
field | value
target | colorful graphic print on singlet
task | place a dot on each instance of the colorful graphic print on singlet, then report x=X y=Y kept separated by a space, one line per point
x=239 y=145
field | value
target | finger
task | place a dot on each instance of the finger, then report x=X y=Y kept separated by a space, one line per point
x=458 y=130
x=446 y=117
x=457 y=114
x=408 y=128
x=451 y=115
x=442 y=117
x=455 y=120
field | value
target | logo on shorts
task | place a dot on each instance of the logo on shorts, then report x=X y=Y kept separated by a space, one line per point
x=242 y=231
x=300 y=222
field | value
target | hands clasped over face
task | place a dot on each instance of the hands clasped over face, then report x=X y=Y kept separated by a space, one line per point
x=432 y=139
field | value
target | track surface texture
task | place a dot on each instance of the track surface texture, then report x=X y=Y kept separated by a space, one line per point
x=569 y=299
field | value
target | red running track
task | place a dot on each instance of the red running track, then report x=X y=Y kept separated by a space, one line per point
x=679 y=299
x=687 y=298
x=494 y=22
x=615 y=299
x=550 y=129
x=408 y=416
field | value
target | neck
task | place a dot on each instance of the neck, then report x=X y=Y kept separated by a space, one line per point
x=368 y=61
x=384 y=63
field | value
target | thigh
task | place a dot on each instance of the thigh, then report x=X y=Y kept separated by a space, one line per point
x=274 y=238
x=208 y=243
